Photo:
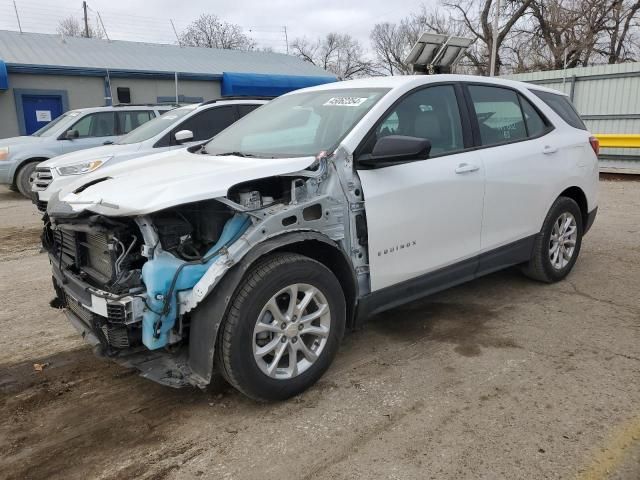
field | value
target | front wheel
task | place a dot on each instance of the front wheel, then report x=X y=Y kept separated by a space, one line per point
x=283 y=327
x=558 y=244
x=24 y=178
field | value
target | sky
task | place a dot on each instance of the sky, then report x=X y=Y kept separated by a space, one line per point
x=264 y=20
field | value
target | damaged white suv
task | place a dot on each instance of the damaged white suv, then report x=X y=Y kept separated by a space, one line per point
x=252 y=254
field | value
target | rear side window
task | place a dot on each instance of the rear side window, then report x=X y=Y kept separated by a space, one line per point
x=499 y=115
x=536 y=125
x=131 y=119
x=563 y=107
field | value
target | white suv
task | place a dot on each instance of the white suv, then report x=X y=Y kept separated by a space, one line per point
x=181 y=127
x=253 y=253
x=73 y=130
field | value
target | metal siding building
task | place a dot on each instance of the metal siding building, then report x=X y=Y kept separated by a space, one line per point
x=607 y=98
x=86 y=72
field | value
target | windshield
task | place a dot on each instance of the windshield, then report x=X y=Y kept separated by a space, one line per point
x=47 y=130
x=156 y=126
x=297 y=125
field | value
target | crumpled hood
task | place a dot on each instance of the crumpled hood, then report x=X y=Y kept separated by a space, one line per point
x=163 y=180
x=89 y=154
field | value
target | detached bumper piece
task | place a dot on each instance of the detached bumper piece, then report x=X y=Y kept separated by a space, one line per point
x=110 y=332
x=111 y=337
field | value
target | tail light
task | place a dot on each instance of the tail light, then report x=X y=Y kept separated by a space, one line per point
x=595 y=144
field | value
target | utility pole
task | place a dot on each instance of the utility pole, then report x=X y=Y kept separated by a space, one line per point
x=494 y=40
x=17 y=16
x=86 y=20
x=286 y=39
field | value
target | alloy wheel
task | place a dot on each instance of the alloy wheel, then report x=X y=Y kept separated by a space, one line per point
x=291 y=331
x=562 y=242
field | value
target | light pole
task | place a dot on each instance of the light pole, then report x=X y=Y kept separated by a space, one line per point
x=494 y=42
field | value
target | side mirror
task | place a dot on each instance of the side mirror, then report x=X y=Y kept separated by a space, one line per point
x=394 y=149
x=183 y=136
x=71 y=134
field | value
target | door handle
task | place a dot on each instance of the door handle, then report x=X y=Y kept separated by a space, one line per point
x=467 y=168
x=548 y=149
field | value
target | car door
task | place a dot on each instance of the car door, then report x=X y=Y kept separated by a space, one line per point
x=424 y=215
x=94 y=129
x=519 y=153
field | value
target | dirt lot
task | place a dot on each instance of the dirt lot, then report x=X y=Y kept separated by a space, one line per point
x=501 y=378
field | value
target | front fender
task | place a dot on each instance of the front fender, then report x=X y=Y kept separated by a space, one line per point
x=207 y=317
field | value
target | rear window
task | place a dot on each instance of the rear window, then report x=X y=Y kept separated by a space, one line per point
x=562 y=106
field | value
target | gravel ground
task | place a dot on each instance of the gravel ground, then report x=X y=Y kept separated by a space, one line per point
x=501 y=378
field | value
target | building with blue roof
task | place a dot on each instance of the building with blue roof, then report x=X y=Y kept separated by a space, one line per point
x=60 y=73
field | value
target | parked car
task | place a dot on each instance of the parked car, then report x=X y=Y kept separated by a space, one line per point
x=252 y=254
x=180 y=127
x=71 y=131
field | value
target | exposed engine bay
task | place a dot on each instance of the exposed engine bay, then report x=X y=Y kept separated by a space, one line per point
x=132 y=284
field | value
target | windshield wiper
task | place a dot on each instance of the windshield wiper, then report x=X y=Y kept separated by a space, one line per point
x=235 y=154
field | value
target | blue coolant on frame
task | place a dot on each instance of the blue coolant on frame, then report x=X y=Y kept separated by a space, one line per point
x=158 y=274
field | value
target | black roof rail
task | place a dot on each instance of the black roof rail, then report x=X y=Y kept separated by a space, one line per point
x=222 y=99
x=147 y=105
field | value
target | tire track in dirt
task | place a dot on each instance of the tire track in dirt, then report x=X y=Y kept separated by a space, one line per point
x=19 y=241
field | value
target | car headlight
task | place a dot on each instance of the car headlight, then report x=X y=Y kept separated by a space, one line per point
x=82 y=168
x=4 y=153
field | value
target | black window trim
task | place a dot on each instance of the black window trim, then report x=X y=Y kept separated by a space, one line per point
x=466 y=124
x=474 y=119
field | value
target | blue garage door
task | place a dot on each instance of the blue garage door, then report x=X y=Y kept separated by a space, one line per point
x=40 y=110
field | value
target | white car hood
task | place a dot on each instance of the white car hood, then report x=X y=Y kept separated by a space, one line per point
x=89 y=154
x=163 y=180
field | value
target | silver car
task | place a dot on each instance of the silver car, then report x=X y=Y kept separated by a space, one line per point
x=71 y=131
x=182 y=127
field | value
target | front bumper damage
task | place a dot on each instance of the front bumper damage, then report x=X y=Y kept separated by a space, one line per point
x=160 y=328
x=87 y=309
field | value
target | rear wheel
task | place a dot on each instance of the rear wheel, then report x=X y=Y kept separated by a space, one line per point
x=283 y=328
x=24 y=178
x=557 y=246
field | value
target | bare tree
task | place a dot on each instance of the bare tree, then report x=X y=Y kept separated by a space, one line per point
x=622 y=31
x=477 y=16
x=339 y=54
x=391 y=42
x=211 y=32
x=73 y=27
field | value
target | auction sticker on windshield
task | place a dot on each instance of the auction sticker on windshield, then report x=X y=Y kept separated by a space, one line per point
x=345 y=101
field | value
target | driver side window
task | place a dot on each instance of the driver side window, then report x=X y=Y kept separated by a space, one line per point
x=430 y=113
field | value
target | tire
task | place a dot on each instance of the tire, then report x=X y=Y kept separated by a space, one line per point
x=549 y=267
x=23 y=178
x=241 y=337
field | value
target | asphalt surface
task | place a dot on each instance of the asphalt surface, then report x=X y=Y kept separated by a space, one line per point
x=501 y=378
